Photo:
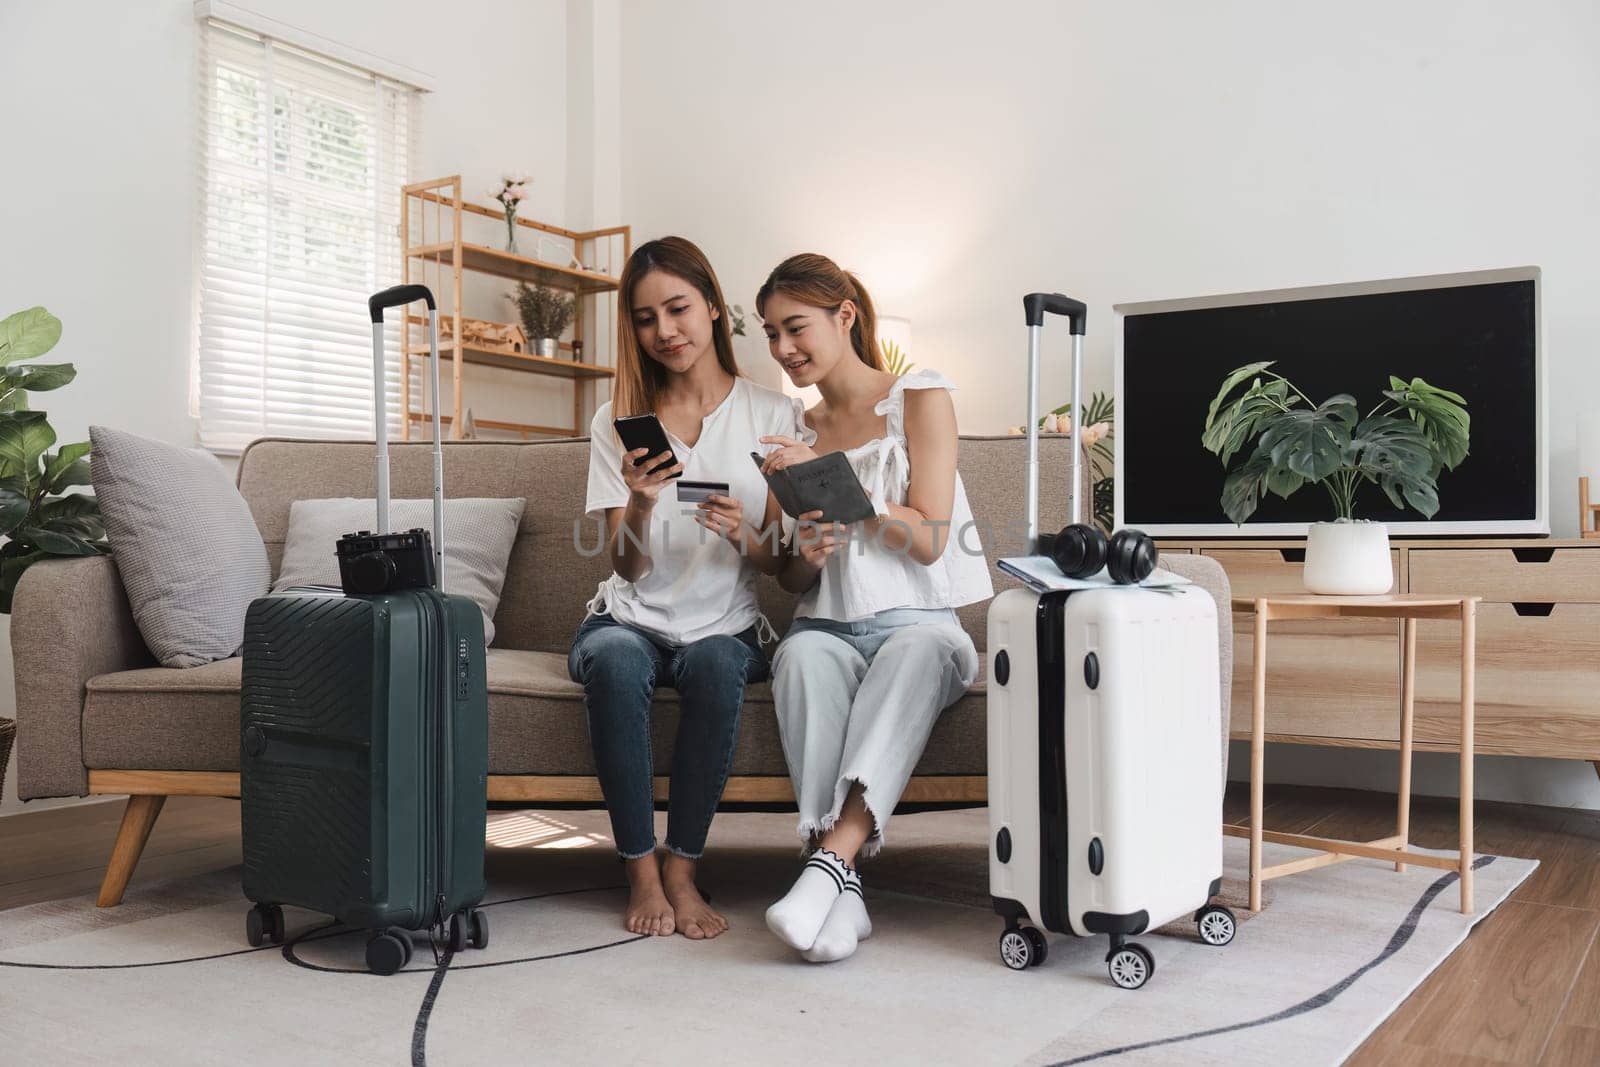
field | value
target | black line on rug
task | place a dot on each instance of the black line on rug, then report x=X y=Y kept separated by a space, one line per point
x=316 y=933
x=419 y=1030
x=1397 y=941
x=166 y=963
x=555 y=955
x=419 y=1033
x=290 y=955
x=551 y=893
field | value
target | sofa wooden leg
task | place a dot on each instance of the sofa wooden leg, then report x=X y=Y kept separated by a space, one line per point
x=137 y=820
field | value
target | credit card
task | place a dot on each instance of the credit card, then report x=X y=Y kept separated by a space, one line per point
x=694 y=492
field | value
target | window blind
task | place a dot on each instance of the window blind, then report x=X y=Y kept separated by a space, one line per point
x=302 y=162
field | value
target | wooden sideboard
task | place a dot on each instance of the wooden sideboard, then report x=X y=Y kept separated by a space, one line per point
x=1335 y=682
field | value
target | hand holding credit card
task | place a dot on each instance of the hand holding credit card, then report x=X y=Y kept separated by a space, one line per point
x=694 y=492
x=715 y=507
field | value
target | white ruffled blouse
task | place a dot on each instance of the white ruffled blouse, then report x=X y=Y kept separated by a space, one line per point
x=865 y=577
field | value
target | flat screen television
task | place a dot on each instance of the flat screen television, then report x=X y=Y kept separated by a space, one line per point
x=1476 y=334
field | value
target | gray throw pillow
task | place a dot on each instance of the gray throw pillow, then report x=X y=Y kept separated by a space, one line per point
x=185 y=543
x=478 y=533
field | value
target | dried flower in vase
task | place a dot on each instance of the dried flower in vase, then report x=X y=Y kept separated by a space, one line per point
x=510 y=195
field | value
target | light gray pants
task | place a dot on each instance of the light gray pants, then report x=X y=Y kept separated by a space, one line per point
x=856 y=702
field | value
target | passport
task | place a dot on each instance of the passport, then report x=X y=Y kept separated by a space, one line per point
x=827 y=484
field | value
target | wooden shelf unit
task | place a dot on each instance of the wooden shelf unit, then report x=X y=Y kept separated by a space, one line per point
x=443 y=248
x=491 y=356
x=1333 y=680
x=523 y=429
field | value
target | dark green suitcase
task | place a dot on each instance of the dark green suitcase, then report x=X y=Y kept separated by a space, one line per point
x=363 y=759
x=364 y=738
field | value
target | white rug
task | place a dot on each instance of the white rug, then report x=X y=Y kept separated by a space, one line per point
x=167 y=979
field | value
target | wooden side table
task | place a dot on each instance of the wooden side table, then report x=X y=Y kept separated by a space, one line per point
x=1407 y=606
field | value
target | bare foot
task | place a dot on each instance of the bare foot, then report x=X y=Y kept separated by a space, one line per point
x=648 y=910
x=696 y=919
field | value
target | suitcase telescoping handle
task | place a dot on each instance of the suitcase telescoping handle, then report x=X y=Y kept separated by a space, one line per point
x=398 y=296
x=1036 y=306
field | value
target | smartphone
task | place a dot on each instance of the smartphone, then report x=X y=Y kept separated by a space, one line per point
x=644 y=431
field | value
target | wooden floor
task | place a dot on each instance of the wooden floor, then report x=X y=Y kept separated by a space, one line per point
x=1523 y=989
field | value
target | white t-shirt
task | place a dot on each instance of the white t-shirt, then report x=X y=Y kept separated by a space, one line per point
x=699 y=584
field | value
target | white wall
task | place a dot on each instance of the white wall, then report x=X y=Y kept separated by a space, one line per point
x=958 y=155
x=97 y=198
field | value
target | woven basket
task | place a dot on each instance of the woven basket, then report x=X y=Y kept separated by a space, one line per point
x=8 y=734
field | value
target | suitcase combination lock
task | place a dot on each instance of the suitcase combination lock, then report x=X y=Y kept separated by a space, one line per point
x=463 y=662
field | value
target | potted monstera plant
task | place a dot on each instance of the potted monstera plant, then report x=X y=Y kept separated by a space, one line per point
x=38 y=517
x=1400 y=445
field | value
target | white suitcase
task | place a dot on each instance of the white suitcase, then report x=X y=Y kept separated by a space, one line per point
x=1104 y=768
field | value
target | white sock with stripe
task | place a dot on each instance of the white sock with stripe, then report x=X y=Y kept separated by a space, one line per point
x=799 y=916
x=846 y=925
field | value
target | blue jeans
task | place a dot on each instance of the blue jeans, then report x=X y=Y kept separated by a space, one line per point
x=619 y=667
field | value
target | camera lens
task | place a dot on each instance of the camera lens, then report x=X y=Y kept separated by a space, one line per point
x=372 y=573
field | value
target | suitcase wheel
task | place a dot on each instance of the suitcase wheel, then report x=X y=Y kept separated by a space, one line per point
x=388 y=952
x=458 y=932
x=1130 y=966
x=1041 y=947
x=264 y=923
x=1216 y=924
x=1017 y=949
x=480 y=929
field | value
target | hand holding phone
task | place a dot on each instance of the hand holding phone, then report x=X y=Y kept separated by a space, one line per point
x=649 y=463
x=646 y=432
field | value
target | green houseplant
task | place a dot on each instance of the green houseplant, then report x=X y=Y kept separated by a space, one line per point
x=1401 y=445
x=38 y=517
x=545 y=314
x=895 y=359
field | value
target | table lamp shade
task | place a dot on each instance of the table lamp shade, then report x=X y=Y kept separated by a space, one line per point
x=895 y=330
x=1589 y=443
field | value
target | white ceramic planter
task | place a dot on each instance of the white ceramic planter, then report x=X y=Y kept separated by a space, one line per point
x=1348 y=558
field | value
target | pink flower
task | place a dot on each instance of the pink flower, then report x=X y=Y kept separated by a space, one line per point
x=1094 y=433
x=515 y=193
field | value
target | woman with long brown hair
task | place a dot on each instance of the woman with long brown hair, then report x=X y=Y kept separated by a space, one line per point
x=679 y=608
x=876 y=651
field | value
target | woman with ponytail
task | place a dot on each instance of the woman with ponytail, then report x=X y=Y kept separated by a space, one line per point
x=679 y=608
x=876 y=651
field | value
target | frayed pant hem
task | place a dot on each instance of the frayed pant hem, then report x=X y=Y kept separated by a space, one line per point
x=682 y=854
x=812 y=830
x=621 y=855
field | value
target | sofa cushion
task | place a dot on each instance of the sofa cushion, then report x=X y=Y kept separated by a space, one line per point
x=190 y=555
x=554 y=565
x=164 y=719
x=477 y=540
x=537 y=722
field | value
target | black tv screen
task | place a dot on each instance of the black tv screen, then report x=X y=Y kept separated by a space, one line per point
x=1475 y=339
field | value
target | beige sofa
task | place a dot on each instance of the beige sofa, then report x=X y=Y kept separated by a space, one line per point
x=96 y=716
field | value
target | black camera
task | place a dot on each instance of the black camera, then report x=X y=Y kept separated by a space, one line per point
x=384 y=563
